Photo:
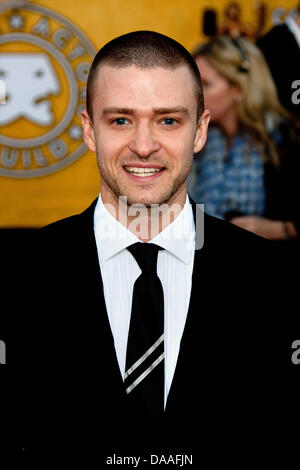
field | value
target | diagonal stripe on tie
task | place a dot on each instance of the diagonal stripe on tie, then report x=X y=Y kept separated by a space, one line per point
x=144 y=374
x=147 y=353
x=145 y=365
x=144 y=371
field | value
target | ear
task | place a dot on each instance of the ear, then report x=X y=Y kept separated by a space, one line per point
x=237 y=93
x=88 y=131
x=201 y=132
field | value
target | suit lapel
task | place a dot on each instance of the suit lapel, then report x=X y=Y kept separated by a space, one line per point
x=198 y=299
x=99 y=326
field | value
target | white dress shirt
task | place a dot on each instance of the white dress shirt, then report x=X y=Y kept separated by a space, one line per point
x=120 y=270
x=294 y=28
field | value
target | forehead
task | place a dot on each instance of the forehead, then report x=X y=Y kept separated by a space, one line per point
x=142 y=88
x=205 y=66
x=207 y=70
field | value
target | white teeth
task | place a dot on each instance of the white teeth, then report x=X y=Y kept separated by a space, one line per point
x=141 y=171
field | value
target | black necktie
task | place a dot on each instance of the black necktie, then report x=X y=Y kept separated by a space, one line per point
x=144 y=372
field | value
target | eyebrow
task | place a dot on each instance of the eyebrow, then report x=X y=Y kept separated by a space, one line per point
x=117 y=111
x=156 y=111
x=176 y=109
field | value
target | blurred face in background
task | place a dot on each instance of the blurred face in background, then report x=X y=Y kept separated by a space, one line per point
x=233 y=12
x=221 y=97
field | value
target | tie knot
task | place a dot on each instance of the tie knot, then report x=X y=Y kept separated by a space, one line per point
x=145 y=255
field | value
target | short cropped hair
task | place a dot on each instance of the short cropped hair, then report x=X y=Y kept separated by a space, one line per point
x=145 y=50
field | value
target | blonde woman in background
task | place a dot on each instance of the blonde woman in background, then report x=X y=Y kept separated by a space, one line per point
x=248 y=171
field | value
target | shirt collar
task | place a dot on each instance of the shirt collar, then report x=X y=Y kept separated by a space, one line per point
x=293 y=27
x=178 y=237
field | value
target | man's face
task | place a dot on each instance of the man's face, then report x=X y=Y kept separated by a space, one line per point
x=145 y=132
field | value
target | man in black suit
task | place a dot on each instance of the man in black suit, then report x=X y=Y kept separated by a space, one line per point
x=229 y=380
x=281 y=48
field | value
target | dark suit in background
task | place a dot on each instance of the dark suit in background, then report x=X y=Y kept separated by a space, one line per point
x=282 y=54
x=234 y=384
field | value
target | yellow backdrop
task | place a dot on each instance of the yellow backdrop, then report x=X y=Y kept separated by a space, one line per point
x=55 y=188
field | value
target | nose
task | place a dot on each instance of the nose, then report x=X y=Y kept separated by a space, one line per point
x=143 y=142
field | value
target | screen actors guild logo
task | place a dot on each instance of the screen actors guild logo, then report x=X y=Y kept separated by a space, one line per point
x=39 y=80
x=44 y=64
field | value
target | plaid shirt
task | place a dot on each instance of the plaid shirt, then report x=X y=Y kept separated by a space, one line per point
x=226 y=180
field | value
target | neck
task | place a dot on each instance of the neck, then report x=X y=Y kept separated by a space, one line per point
x=143 y=221
x=230 y=126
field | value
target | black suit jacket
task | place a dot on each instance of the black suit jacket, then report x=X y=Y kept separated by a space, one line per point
x=282 y=54
x=234 y=382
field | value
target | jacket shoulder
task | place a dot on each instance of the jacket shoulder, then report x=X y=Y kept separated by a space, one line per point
x=278 y=33
x=223 y=233
x=61 y=225
x=73 y=223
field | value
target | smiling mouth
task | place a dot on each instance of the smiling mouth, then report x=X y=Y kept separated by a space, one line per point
x=142 y=171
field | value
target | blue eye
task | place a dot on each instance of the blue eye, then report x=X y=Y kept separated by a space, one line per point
x=169 y=121
x=121 y=121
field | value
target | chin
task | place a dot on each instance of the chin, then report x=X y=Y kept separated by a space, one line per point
x=146 y=202
x=147 y=198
